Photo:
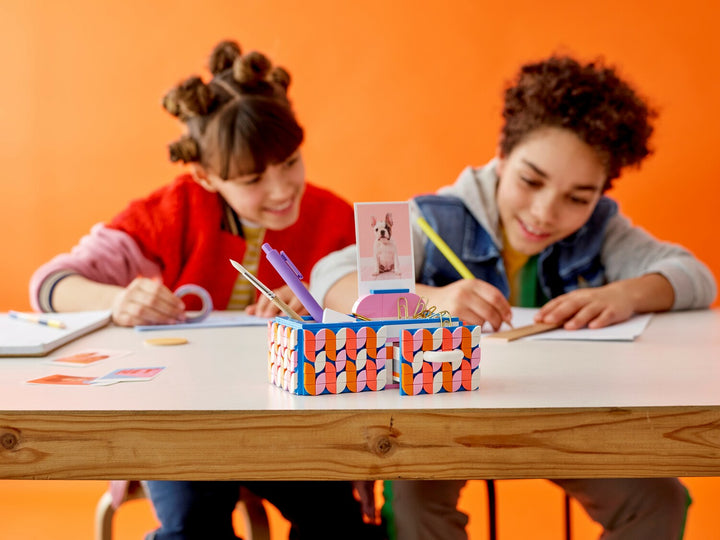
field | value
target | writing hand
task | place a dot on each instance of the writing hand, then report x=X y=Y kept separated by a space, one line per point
x=265 y=308
x=147 y=301
x=472 y=300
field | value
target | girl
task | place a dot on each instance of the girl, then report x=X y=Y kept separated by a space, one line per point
x=536 y=230
x=246 y=186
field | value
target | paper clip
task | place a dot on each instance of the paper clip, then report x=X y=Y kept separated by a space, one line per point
x=403 y=311
x=445 y=318
x=420 y=308
x=426 y=313
x=361 y=317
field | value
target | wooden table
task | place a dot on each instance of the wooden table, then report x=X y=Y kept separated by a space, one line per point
x=544 y=410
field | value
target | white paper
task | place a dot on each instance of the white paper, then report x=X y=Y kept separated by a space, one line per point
x=624 y=331
x=216 y=319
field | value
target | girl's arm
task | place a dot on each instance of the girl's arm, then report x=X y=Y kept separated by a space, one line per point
x=104 y=272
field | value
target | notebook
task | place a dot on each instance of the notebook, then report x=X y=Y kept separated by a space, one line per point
x=23 y=338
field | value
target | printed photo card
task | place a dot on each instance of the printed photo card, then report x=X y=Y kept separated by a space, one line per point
x=385 y=254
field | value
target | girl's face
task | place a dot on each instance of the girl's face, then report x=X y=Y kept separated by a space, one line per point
x=270 y=199
x=549 y=186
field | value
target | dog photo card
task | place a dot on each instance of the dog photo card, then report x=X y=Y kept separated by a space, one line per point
x=384 y=241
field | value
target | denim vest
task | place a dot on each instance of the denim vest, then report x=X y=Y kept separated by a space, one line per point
x=569 y=264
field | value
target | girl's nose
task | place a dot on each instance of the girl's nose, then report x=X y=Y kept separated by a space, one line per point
x=278 y=182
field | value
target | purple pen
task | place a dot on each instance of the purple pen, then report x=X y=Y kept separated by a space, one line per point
x=292 y=277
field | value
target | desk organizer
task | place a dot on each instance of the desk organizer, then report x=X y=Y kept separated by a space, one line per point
x=430 y=356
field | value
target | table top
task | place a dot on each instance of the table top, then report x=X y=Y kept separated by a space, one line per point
x=544 y=409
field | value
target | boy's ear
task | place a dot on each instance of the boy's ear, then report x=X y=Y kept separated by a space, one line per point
x=200 y=175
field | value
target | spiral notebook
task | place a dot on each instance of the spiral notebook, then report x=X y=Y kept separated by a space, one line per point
x=24 y=338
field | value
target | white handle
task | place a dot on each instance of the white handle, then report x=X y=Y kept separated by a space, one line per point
x=454 y=357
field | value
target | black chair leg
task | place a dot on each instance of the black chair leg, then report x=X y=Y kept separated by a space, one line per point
x=492 y=509
x=568 y=524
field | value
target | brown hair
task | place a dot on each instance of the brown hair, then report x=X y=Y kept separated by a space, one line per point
x=589 y=100
x=241 y=121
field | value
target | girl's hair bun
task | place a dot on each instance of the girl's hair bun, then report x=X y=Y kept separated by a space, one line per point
x=251 y=68
x=190 y=98
x=185 y=149
x=223 y=56
x=280 y=77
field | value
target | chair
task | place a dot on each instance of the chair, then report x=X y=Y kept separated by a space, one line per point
x=249 y=505
x=492 y=512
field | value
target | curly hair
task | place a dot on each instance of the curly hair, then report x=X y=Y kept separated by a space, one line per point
x=590 y=100
x=241 y=121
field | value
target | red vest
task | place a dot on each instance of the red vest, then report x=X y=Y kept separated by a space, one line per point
x=179 y=227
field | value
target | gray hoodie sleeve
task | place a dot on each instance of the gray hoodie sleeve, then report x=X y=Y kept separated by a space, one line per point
x=629 y=252
x=330 y=269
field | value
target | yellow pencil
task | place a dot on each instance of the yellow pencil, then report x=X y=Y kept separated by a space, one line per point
x=445 y=249
x=32 y=318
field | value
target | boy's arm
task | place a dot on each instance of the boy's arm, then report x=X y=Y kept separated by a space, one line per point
x=630 y=252
x=597 y=307
x=644 y=274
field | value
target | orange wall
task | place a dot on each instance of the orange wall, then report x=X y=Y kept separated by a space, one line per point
x=396 y=98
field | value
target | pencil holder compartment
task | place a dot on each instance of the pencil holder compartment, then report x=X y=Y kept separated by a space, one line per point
x=438 y=360
x=309 y=358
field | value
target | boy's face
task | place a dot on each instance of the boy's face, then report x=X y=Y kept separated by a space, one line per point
x=270 y=199
x=549 y=186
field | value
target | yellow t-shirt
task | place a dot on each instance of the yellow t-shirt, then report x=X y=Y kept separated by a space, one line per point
x=514 y=262
x=243 y=293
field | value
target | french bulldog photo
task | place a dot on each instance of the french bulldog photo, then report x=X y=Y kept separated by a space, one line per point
x=384 y=248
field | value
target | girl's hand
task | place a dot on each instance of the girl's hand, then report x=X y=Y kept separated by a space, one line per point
x=147 y=301
x=596 y=307
x=265 y=308
x=472 y=300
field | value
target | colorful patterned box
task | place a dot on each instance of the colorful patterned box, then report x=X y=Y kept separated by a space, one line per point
x=308 y=358
x=433 y=361
x=312 y=358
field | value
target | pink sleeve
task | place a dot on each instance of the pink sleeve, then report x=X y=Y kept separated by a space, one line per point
x=105 y=255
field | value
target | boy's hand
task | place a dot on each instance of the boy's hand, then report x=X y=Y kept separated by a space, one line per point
x=265 y=308
x=595 y=308
x=611 y=304
x=147 y=301
x=472 y=300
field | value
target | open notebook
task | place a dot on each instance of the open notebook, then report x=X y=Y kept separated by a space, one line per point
x=23 y=338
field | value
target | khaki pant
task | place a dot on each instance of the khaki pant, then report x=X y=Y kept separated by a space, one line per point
x=627 y=508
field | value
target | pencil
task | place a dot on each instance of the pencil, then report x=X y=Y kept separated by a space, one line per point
x=445 y=249
x=27 y=317
x=521 y=332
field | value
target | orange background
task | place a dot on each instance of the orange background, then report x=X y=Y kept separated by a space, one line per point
x=396 y=98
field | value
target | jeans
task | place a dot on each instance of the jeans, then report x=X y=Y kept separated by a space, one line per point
x=202 y=510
